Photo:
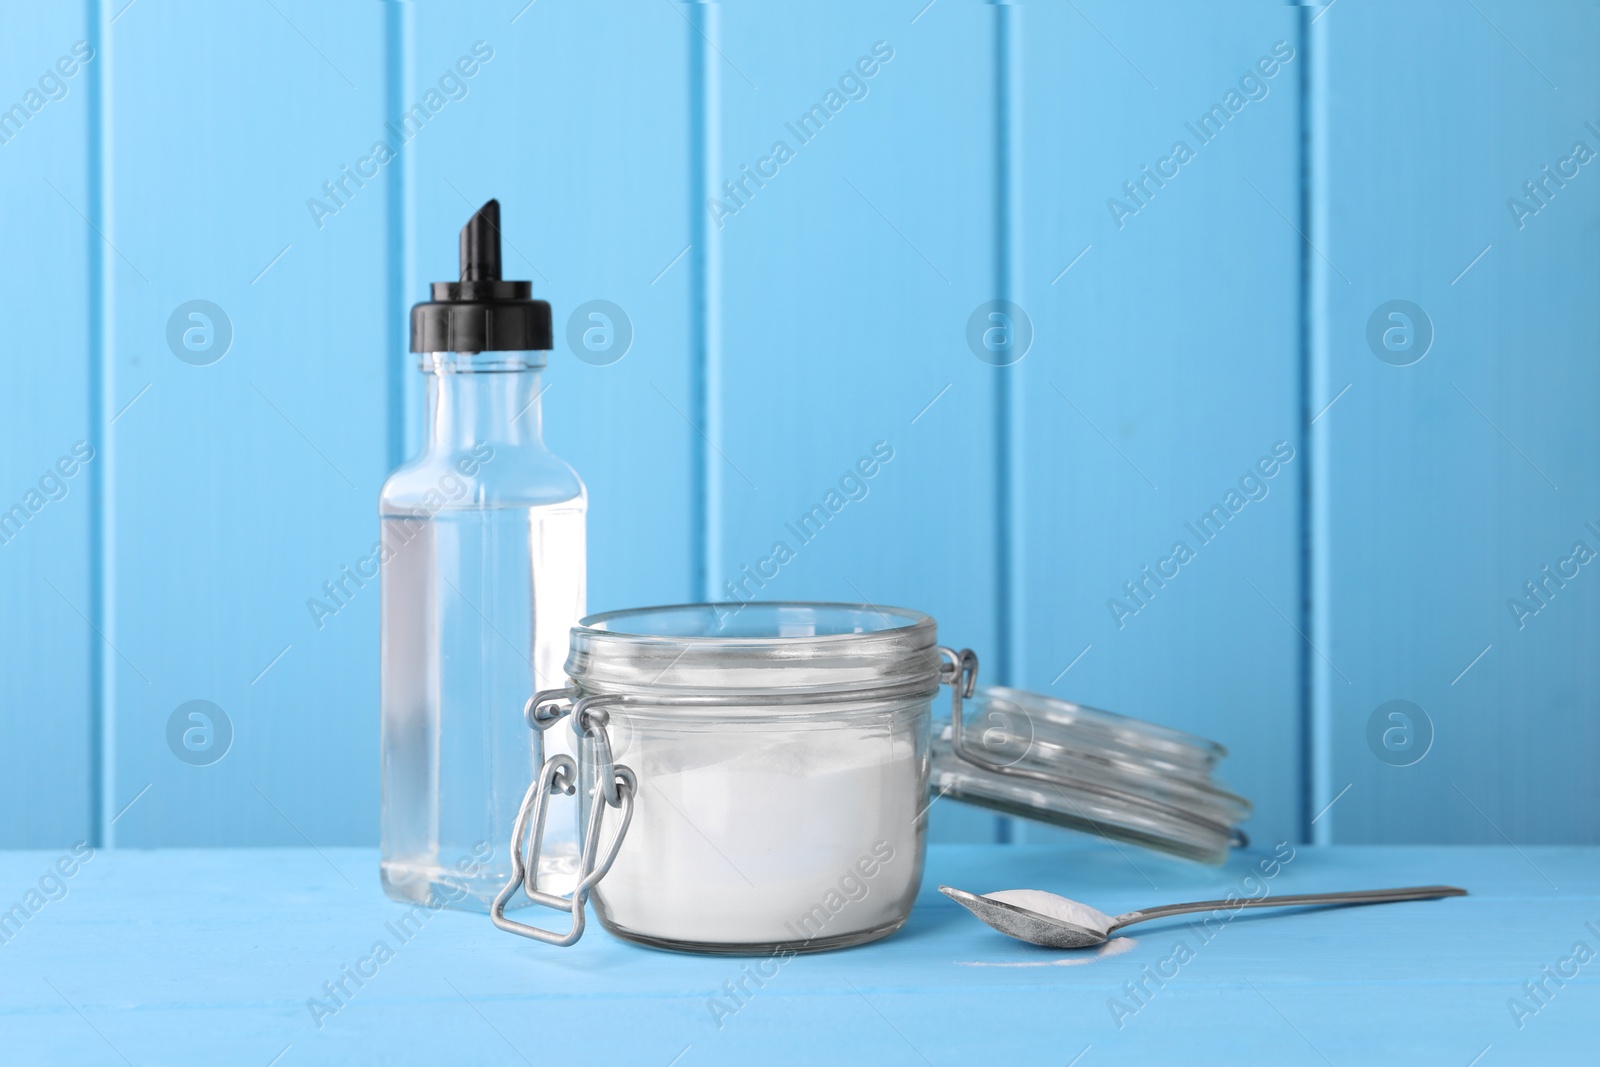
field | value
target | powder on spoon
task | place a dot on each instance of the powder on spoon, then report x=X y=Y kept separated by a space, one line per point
x=1058 y=908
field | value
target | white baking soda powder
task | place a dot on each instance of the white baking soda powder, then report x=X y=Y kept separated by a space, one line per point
x=753 y=833
x=1067 y=911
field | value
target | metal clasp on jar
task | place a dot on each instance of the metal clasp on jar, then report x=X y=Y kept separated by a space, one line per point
x=615 y=787
x=959 y=670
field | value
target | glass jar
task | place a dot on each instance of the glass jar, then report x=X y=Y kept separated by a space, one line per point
x=761 y=771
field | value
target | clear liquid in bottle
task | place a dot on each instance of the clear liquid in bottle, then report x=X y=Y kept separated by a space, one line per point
x=477 y=607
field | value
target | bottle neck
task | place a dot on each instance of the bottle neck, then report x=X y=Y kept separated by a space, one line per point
x=469 y=403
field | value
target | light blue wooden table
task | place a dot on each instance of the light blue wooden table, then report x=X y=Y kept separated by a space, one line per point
x=213 y=957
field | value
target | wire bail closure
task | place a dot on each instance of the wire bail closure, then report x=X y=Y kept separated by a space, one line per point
x=959 y=670
x=615 y=787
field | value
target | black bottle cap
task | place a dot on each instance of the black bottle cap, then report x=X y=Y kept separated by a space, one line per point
x=481 y=313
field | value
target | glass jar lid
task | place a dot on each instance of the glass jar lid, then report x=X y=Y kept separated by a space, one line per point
x=1091 y=770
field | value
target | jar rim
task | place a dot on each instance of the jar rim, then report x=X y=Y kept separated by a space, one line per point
x=754 y=646
x=599 y=624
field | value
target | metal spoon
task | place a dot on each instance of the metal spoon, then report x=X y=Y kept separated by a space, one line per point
x=1045 y=919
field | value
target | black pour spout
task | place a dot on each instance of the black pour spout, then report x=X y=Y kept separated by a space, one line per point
x=481 y=312
x=480 y=245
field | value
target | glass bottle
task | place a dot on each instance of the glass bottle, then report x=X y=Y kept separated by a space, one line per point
x=483 y=577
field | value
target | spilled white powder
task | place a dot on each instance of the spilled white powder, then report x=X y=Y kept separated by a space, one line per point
x=1115 y=947
x=1060 y=908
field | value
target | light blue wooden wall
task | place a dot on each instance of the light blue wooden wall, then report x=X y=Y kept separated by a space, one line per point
x=1176 y=341
x=50 y=262
x=1450 y=483
x=1167 y=367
